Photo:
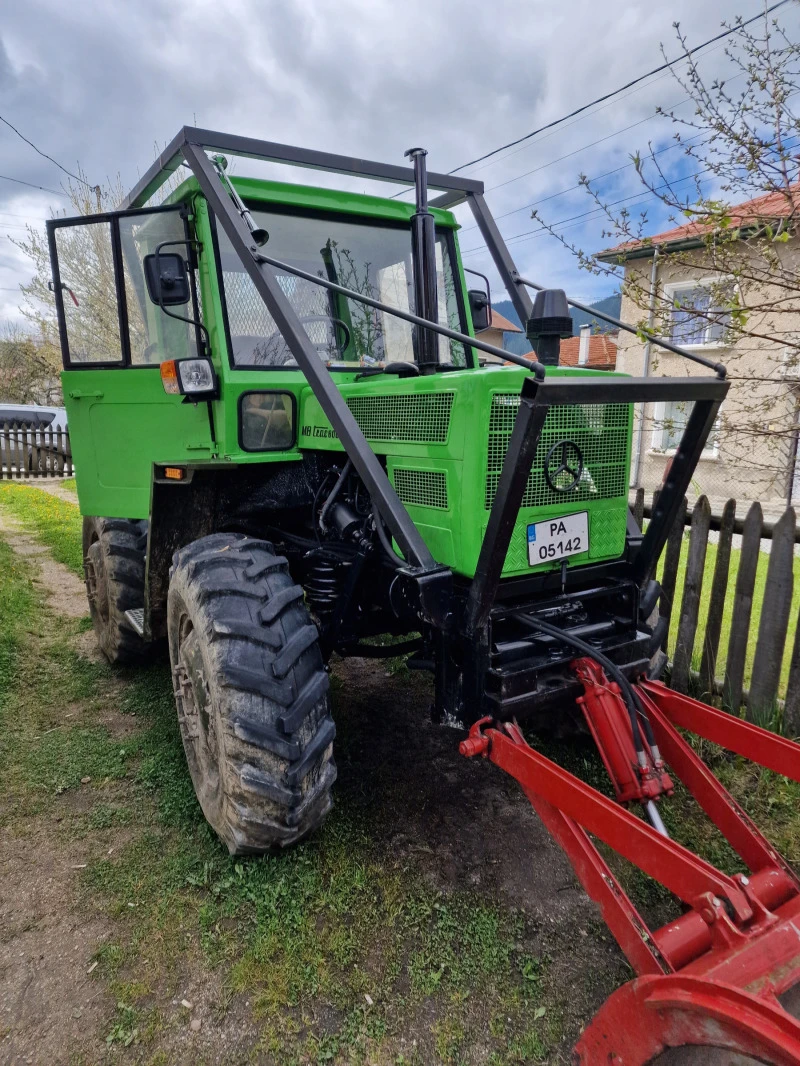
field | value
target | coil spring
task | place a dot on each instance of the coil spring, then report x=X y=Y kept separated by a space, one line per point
x=323 y=585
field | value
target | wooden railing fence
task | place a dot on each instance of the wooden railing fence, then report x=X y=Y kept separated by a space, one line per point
x=698 y=663
x=29 y=451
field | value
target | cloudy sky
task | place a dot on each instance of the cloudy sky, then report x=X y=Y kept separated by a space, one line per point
x=102 y=86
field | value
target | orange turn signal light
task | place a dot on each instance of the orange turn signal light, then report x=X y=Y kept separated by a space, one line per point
x=175 y=473
x=169 y=377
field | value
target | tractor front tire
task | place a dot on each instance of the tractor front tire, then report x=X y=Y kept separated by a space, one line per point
x=114 y=551
x=251 y=693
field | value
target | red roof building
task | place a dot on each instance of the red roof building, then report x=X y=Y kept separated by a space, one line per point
x=498 y=321
x=600 y=351
x=772 y=207
x=595 y=352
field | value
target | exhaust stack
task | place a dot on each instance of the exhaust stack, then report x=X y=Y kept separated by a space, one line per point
x=423 y=252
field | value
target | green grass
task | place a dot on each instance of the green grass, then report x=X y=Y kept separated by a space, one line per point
x=58 y=523
x=758 y=603
x=70 y=485
x=340 y=946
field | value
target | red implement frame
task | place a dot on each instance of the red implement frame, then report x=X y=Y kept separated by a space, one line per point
x=713 y=976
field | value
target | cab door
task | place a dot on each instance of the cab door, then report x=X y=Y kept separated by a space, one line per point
x=113 y=340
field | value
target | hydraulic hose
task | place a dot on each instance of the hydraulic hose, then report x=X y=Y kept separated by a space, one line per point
x=394 y=558
x=626 y=688
x=334 y=493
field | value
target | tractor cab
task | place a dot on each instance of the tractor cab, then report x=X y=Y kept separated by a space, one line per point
x=145 y=289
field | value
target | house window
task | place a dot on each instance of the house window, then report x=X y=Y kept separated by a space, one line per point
x=669 y=422
x=699 y=312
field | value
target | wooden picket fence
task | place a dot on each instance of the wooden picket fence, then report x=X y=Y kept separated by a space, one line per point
x=735 y=598
x=28 y=451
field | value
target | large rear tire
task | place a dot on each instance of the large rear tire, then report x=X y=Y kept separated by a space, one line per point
x=251 y=693
x=114 y=551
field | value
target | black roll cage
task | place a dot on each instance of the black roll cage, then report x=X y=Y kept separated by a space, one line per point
x=538 y=394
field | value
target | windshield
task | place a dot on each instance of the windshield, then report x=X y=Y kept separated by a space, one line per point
x=370 y=257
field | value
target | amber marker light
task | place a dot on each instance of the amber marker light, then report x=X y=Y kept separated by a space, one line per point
x=169 y=377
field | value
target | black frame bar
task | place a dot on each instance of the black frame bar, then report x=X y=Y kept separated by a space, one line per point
x=252 y=148
x=537 y=369
x=498 y=249
x=536 y=399
x=265 y=280
x=668 y=346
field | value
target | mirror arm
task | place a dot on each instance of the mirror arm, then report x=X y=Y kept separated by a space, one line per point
x=477 y=273
x=171 y=314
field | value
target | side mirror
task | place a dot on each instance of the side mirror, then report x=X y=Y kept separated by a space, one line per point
x=480 y=309
x=167 y=278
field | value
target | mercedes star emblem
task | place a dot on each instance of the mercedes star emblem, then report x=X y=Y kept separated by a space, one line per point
x=563 y=466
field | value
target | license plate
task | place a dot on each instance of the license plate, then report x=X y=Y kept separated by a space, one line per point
x=558 y=538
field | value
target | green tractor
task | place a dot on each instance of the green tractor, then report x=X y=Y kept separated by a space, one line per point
x=286 y=446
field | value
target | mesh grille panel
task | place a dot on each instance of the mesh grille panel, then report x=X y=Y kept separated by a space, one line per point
x=248 y=314
x=601 y=432
x=428 y=488
x=411 y=419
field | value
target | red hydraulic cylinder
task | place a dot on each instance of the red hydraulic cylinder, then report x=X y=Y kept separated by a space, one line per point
x=635 y=775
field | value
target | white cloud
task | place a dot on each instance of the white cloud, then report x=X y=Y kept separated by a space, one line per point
x=103 y=85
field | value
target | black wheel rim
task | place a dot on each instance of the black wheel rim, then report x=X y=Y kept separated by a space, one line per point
x=196 y=711
x=97 y=583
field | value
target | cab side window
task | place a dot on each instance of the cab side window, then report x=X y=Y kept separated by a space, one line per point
x=108 y=317
x=154 y=334
x=89 y=295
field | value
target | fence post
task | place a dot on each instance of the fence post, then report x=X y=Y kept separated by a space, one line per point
x=693 y=587
x=20 y=437
x=5 y=453
x=791 y=706
x=669 y=575
x=58 y=466
x=716 y=601
x=50 y=455
x=37 y=440
x=742 y=609
x=774 y=620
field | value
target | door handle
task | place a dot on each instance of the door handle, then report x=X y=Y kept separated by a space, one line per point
x=76 y=394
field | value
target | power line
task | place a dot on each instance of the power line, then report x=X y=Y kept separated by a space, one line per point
x=583 y=148
x=607 y=96
x=597 y=177
x=11 y=214
x=608 y=173
x=529 y=234
x=44 y=155
x=19 y=181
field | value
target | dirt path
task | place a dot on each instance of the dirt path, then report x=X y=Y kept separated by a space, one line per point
x=66 y=594
x=461 y=821
x=55 y=486
x=48 y=1001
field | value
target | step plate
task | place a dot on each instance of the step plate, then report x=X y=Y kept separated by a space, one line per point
x=135 y=619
